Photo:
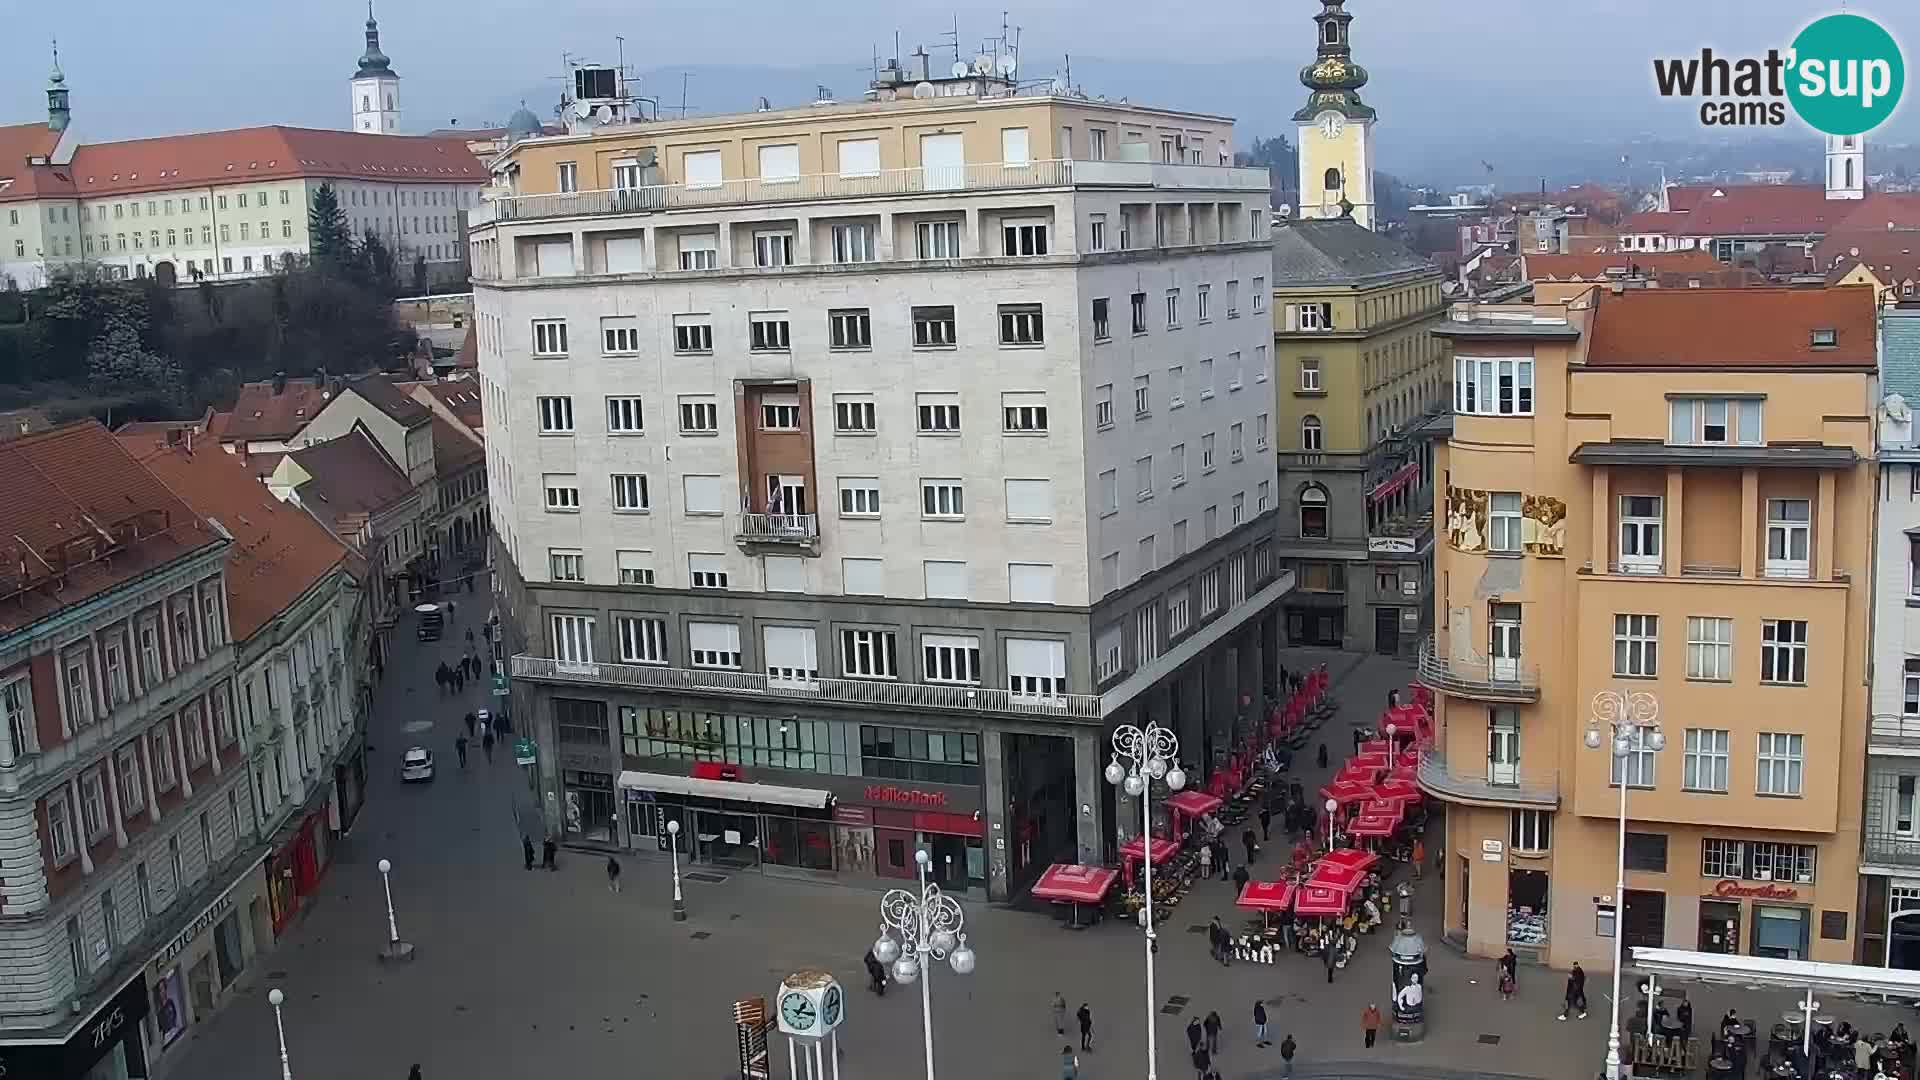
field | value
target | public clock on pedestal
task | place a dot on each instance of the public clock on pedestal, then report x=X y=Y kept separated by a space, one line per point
x=811 y=1004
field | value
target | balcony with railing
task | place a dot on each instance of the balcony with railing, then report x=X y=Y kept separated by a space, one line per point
x=780 y=533
x=875 y=693
x=1487 y=783
x=1895 y=734
x=1478 y=677
x=1885 y=848
x=885 y=183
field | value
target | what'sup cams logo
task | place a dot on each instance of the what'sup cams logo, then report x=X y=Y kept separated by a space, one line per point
x=1842 y=75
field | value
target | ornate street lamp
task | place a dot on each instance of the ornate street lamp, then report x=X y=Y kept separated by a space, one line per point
x=1151 y=753
x=916 y=929
x=1632 y=721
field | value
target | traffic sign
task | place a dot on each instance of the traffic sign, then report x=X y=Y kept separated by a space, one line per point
x=499 y=684
x=524 y=752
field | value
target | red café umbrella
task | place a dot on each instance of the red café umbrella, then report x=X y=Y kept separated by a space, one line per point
x=1374 y=825
x=1163 y=849
x=1266 y=895
x=1335 y=876
x=1388 y=808
x=1194 y=803
x=1350 y=857
x=1311 y=899
x=1346 y=791
x=1372 y=759
x=1074 y=884
x=1400 y=789
x=1375 y=746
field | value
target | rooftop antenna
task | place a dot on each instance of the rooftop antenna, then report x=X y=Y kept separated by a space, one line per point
x=684 y=76
x=620 y=43
x=955 y=35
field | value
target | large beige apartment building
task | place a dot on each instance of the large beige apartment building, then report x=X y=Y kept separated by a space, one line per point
x=856 y=466
x=1665 y=493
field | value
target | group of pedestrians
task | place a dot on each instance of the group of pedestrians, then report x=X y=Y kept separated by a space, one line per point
x=547 y=851
x=1070 y=1061
x=452 y=678
x=479 y=727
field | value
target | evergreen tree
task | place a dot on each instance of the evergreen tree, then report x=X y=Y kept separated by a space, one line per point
x=327 y=229
x=376 y=263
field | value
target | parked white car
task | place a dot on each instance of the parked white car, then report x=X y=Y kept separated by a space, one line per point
x=416 y=765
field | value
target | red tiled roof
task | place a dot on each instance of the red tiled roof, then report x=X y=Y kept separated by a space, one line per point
x=1684 y=197
x=1764 y=210
x=352 y=478
x=1894 y=252
x=461 y=397
x=468 y=358
x=197 y=425
x=453 y=450
x=279 y=551
x=18 y=142
x=240 y=155
x=1732 y=328
x=1615 y=264
x=379 y=392
x=1653 y=221
x=1883 y=210
x=77 y=512
x=260 y=414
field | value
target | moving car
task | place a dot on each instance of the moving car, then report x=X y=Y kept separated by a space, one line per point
x=430 y=622
x=417 y=765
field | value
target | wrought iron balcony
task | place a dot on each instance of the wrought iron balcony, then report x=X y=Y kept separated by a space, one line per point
x=877 y=693
x=1895 y=734
x=1881 y=848
x=788 y=532
x=1478 y=677
x=1487 y=783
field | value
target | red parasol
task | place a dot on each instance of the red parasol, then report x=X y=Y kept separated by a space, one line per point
x=1347 y=791
x=1375 y=825
x=1075 y=884
x=1194 y=803
x=1334 y=876
x=1311 y=899
x=1353 y=857
x=1266 y=895
x=1163 y=849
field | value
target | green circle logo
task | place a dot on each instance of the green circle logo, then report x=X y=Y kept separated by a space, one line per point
x=1846 y=75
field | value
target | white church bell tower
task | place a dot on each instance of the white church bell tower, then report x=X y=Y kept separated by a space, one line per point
x=376 y=87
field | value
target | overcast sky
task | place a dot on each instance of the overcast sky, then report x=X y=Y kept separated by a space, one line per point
x=1482 y=70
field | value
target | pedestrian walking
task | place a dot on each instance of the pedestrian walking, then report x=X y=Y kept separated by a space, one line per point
x=1320 y=759
x=1223 y=858
x=1576 y=992
x=1419 y=857
x=469 y=636
x=486 y=746
x=876 y=973
x=1196 y=1035
x=547 y=848
x=1240 y=879
x=1370 y=1023
x=413 y=1073
x=613 y=874
x=1206 y=861
x=1329 y=952
x=460 y=748
x=1287 y=1048
x=1248 y=842
x=1212 y=1027
x=450 y=611
x=1069 y=1065
x=470 y=719
x=526 y=849
x=1221 y=939
x=1085 y=1016
x=1266 y=820
x=1202 y=1063
x=1260 y=1024
x=1509 y=975
x=486 y=729
x=1405 y=896
x=1059 y=1013
x=459 y=680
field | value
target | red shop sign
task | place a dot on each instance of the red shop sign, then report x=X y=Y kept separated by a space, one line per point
x=1763 y=891
x=893 y=794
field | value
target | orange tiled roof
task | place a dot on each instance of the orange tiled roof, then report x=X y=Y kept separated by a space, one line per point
x=279 y=551
x=1892 y=254
x=18 y=180
x=76 y=511
x=1764 y=210
x=453 y=450
x=1883 y=210
x=1600 y=267
x=1654 y=221
x=351 y=476
x=461 y=398
x=1732 y=328
x=260 y=414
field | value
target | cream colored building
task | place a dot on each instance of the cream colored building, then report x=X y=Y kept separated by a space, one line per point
x=1335 y=126
x=1666 y=492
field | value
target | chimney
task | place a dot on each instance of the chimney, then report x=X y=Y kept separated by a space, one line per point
x=279 y=383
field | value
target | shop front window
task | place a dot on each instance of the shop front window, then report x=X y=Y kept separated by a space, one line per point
x=807 y=845
x=933 y=757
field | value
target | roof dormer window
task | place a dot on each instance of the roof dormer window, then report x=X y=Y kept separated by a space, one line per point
x=1825 y=338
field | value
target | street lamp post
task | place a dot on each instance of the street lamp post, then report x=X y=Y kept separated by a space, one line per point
x=1152 y=753
x=673 y=845
x=274 y=998
x=1333 y=807
x=396 y=950
x=1632 y=721
x=928 y=925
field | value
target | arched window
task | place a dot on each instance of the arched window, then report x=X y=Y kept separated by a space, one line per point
x=1332 y=33
x=1313 y=511
x=1333 y=179
x=389 y=102
x=366 y=103
x=1849 y=173
x=1311 y=434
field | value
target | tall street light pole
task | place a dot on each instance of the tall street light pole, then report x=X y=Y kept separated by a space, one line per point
x=673 y=845
x=1632 y=721
x=1151 y=753
x=396 y=951
x=928 y=928
x=275 y=997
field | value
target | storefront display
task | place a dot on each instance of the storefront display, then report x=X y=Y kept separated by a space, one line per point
x=1780 y=932
x=170 y=1014
x=107 y=1045
x=204 y=959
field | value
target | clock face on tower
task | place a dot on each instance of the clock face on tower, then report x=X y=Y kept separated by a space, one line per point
x=830 y=1006
x=797 y=1010
x=1331 y=124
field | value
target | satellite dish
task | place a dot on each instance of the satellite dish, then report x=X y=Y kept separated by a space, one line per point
x=923 y=89
x=983 y=64
x=606 y=114
x=1006 y=64
x=583 y=109
x=961 y=70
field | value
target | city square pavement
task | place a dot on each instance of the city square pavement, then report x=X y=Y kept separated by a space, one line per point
x=533 y=974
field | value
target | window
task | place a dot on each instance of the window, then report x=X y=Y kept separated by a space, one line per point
x=1705 y=764
x=933 y=327
x=941 y=499
x=1266 y=497
x=773 y=248
x=853 y=414
x=634 y=567
x=1709 y=649
x=549 y=337
x=1176 y=386
x=1714 y=421
x=1637 y=766
x=1103 y=405
x=1023 y=238
x=1259 y=284
x=1783 y=651
x=1023 y=413
x=1910 y=689
x=780 y=412
x=1779 y=763
x=1142 y=396
x=1139 y=313
x=699 y=251
x=705 y=494
x=1173 y=309
x=714 y=645
x=1209 y=592
x=1636 y=645
x=937 y=239
x=1201 y=298
x=1789 y=528
x=913 y=754
x=1312 y=435
x=1531 y=830
x=566 y=565
x=1260 y=432
x=642 y=640
x=1312 y=317
x=868 y=654
x=1030 y=583
x=1143 y=477
x=1313 y=512
x=93 y=804
x=1177 y=464
x=859 y=496
x=126 y=782
x=624 y=416
x=853 y=243
x=1309 y=376
x=556 y=415
x=1020 y=324
x=946 y=580
x=1206 y=452
x=951 y=658
x=1096 y=232
x=692 y=334
x=630 y=493
x=1238 y=509
x=60 y=828
x=851 y=328
x=1030 y=501
x=699 y=416
x=707 y=572
x=1503 y=521
x=165 y=776
x=1109 y=492
x=863 y=577
x=1640 y=534
x=619 y=336
x=859 y=157
x=938 y=414
x=1206 y=378
x=573 y=639
x=1233 y=299
x=1493 y=387
x=563 y=492
x=768 y=332
x=1236 y=441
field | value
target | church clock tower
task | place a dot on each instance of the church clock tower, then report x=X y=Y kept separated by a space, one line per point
x=1336 y=128
x=376 y=87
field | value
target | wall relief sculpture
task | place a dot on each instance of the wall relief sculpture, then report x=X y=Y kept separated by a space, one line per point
x=1543 y=525
x=1466 y=519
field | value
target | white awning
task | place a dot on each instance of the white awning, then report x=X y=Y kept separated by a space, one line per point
x=1762 y=971
x=726 y=789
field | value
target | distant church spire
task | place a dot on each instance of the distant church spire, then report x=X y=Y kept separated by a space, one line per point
x=59 y=108
x=1333 y=79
